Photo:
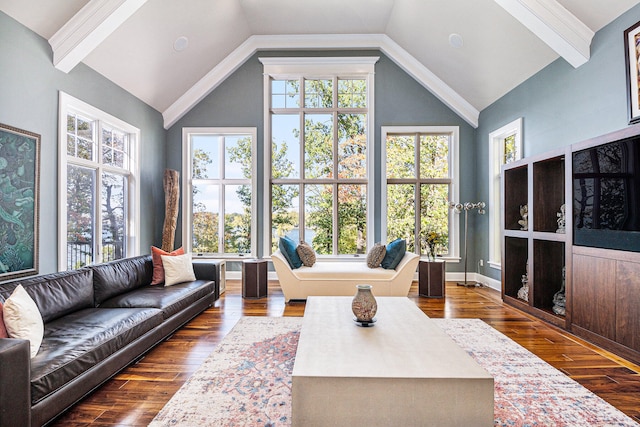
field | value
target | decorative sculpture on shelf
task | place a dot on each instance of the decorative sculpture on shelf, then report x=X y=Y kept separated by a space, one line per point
x=560 y=299
x=466 y=207
x=561 y=219
x=523 y=292
x=524 y=213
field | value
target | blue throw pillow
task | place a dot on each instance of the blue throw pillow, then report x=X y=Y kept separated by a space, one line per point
x=288 y=249
x=395 y=253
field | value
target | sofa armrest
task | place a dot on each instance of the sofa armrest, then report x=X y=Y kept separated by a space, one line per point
x=15 y=383
x=209 y=270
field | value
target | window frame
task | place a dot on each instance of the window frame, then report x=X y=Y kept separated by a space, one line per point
x=496 y=160
x=69 y=105
x=187 y=184
x=314 y=68
x=453 y=180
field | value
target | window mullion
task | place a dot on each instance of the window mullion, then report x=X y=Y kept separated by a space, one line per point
x=418 y=214
x=97 y=238
x=97 y=138
x=336 y=178
x=221 y=195
x=301 y=209
x=335 y=222
x=301 y=141
x=417 y=156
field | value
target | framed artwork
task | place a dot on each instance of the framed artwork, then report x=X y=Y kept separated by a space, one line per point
x=632 y=62
x=19 y=199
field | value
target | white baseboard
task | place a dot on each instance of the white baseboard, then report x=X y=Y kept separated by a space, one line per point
x=476 y=277
x=237 y=275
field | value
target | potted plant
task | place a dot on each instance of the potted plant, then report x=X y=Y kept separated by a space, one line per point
x=433 y=239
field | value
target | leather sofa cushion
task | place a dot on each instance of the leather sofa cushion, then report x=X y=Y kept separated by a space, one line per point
x=169 y=299
x=120 y=276
x=56 y=294
x=74 y=343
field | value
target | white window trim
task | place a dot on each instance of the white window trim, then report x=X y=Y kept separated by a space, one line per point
x=496 y=154
x=67 y=104
x=454 y=221
x=319 y=67
x=187 y=171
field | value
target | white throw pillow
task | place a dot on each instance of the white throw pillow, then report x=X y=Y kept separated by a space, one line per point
x=23 y=319
x=177 y=269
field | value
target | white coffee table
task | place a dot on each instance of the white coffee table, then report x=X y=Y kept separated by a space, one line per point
x=404 y=371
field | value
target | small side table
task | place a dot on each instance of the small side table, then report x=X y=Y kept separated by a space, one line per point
x=254 y=278
x=431 y=279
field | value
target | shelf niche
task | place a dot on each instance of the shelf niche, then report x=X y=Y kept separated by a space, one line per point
x=548 y=193
x=548 y=261
x=515 y=266
x=515 y=195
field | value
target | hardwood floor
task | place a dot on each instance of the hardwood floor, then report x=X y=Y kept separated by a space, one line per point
x=133 y=397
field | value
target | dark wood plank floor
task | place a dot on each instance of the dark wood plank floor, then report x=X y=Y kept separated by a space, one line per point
x=133 y=397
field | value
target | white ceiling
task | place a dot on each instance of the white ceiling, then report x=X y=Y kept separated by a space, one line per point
x=131 y=41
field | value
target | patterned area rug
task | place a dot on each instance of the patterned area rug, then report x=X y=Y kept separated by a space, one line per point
x=246 y=381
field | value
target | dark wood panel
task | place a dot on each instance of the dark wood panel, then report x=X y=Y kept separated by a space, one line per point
x=628 y=304
x=254 y=278
x=593 y=295
x=431 y=277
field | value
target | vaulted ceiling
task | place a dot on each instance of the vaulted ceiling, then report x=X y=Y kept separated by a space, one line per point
x=467 y=52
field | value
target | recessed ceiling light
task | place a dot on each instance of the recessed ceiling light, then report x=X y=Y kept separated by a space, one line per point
x=181 y=44
x=455 y=40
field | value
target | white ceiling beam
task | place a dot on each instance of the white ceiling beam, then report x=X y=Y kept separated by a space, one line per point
x=332 y=41
x=88 y=28
x=554 y=25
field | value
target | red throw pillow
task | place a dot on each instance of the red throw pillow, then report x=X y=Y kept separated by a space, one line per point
x=158 y=269
x=3 y=329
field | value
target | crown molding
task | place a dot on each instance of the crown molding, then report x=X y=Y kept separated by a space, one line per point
x=556 y=26
x=88 y=28
x=319 y=42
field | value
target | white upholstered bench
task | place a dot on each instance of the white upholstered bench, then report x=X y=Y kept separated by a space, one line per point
x=339 y=278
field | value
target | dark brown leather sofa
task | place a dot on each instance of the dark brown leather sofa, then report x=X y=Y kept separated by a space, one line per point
x=98 y=320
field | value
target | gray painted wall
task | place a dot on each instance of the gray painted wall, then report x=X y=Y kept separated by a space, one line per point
x=560 y=105
x=29 y=86
x=399 y=100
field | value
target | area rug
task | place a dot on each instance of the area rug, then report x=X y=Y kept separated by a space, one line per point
x=246 y=381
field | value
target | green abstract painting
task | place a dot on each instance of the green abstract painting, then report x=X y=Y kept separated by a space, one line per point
x=19 y=180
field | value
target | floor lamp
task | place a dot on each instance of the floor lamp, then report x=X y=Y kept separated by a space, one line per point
x=466 y=207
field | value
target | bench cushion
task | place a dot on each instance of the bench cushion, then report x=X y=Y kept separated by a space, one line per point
x=343 y=271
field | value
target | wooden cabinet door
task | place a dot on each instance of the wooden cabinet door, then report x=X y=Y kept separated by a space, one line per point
x=628 y=304
x=594 y=295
